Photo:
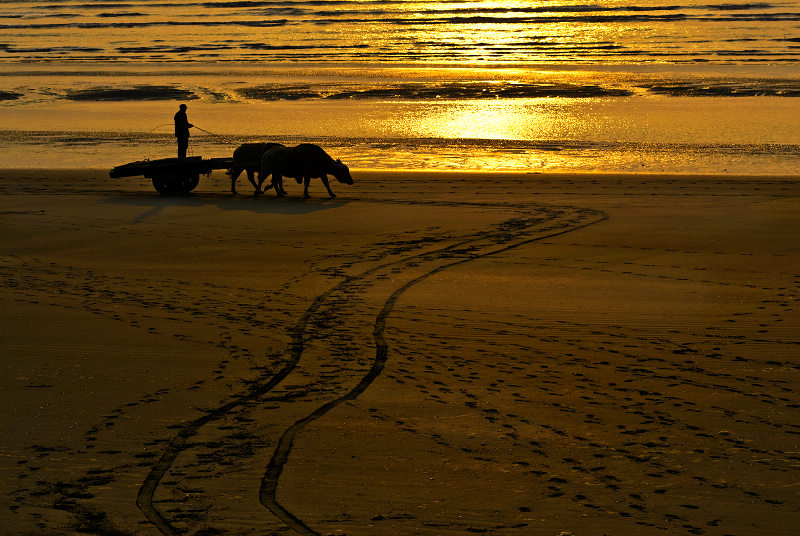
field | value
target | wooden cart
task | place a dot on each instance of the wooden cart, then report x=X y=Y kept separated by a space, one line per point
x=172 y=176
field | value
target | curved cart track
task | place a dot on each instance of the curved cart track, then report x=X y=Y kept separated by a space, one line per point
x=336 y=350
x=213 y=365
x=526 y=227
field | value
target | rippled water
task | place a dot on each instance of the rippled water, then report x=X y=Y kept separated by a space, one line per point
x=379 y=31
x=658 y=86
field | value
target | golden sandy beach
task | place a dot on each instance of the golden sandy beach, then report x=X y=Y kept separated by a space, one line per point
x=427 y=354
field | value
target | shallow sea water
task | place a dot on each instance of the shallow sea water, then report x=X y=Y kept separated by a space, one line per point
x=395 y=31
x=654 y=86
x=636 y=130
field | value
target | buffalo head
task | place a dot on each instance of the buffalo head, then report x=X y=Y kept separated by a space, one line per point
x=342 y=172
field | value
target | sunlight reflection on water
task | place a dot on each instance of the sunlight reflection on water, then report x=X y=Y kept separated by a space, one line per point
x=489 y=120
x=481 y=31
x=411 y=119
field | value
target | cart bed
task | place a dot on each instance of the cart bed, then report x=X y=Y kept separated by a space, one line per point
x=172 y=175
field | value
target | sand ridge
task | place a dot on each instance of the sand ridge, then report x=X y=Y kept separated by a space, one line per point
x=424 y=355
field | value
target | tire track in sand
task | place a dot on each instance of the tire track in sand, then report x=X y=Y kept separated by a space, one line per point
x=547 y=222
x=270 y=481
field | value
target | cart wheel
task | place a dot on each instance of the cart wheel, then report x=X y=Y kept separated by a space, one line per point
x=172 y=184
x=164 y=184
x=187 y=183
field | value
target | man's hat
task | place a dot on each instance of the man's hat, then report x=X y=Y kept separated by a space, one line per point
x=183 y=106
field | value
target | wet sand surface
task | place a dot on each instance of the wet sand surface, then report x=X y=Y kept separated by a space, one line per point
x=429 y=353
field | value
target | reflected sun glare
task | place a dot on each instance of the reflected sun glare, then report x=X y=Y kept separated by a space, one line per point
x=502 y=119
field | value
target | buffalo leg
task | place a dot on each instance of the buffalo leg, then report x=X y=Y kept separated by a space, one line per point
x=277 y=182
x=234 y=173
x=306 y=182
x=327 y=186
x=262 y=175
x=251 y=178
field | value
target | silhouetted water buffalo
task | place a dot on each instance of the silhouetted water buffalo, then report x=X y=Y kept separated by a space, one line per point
x=247 y=157
x=303 y=162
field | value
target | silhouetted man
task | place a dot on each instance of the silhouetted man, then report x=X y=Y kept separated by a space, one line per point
x=182 y=127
